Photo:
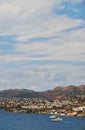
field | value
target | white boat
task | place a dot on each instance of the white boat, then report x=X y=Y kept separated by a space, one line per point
x=57 y=119
x=53 y=116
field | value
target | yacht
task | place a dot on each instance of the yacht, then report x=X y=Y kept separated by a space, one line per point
x=53 y=116
x=57 y=119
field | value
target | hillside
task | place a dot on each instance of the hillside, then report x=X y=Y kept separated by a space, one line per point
x=64 y=92
x=23 y=93
x=58 y=92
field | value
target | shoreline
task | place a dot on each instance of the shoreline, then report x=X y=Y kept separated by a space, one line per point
x=66 y=107
x=58 y=114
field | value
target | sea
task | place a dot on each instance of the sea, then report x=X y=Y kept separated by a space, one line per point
x=22 y=121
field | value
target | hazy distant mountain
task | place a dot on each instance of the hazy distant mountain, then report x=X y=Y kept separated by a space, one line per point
x=23 y=93
x=58 y=92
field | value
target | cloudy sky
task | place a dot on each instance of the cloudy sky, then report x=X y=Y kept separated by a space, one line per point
x=42 y=43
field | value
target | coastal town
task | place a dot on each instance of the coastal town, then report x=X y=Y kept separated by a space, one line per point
x=68 y=107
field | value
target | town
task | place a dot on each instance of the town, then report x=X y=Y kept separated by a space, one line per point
x=69 y=107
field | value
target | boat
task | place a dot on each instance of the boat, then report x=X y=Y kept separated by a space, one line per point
x=53 y=116
x=57 y=119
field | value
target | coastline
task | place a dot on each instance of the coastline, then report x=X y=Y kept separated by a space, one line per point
x=69 y=114
x=63 y=107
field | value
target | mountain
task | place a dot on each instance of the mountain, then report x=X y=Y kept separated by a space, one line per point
x=64 y=92
x=57 y=92
x=19 y=93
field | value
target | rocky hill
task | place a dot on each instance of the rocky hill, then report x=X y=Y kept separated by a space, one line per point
x=64 y=92
x=58 y=92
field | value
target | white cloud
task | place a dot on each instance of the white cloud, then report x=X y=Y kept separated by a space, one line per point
x=69 y=46
x=28 y=19
x=48 y=27
x=65 y=41
x=41 y=77
x=17 y=16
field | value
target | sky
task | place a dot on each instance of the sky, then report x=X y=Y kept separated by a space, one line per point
x=42 y=44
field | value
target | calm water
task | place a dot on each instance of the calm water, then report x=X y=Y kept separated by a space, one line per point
x=21 y=121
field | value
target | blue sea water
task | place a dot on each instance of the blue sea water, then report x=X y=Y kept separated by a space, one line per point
x=22 y=121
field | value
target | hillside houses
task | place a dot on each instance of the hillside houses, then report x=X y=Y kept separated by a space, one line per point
x=62 y=107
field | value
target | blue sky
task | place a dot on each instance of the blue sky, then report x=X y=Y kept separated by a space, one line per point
x=42 y=43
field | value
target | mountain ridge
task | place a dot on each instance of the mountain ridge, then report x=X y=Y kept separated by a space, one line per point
x=57 y=92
